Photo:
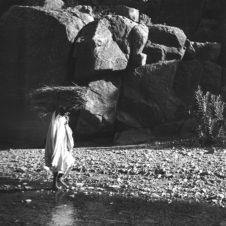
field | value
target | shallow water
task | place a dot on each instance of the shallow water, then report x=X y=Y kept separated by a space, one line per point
x=66 y=209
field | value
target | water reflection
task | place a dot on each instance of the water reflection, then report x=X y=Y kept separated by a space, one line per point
x=68 y=209
x=63 y=215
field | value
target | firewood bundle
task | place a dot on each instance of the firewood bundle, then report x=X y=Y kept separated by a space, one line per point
x=50 y=98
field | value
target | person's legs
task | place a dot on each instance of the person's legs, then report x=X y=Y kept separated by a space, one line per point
x=55 y=185
x=60 y=179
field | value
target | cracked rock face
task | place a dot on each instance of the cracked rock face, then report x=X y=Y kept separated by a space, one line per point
x=147 y=96
x=37 y=43
x=98 y=51
x=35 y=46
x=99 y=114
x=139 y=74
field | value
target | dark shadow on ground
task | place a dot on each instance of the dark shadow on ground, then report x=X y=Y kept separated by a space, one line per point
x=106 y=143
x=68 y=208
x=161 y=143
x=9 y=184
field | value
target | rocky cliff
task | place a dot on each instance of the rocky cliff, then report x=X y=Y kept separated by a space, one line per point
x=140 y=60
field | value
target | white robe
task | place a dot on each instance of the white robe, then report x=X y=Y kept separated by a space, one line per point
x=59 y=144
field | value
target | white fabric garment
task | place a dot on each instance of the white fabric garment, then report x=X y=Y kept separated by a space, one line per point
x=59 y=144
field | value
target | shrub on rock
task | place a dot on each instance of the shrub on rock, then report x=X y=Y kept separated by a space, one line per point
x=209 y=114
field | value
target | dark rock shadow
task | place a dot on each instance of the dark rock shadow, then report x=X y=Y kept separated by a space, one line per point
x=9 y=184
x=67 y=208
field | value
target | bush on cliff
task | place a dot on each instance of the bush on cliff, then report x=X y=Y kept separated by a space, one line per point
x=209 y=113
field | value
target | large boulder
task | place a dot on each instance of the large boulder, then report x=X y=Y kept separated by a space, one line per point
x=156 y=52
x=139 y=38
x=188 y=128
x=165 y=43
x=192 y=73
x=215 y=9
x=82 y=8
x=102 y=46
x=147 y=98
x=130 y=3
x=52 y=4
x=212 y=77
x=167 y=35
x=169 y=129
x=207 y=50
x=6 y=4
x=35 y=45
x=190 y=53
x=133 y=136
x=131 y=13
x=210 y=51
x=187 y=79
x=222 y=31
x=99 y=114
x=185 y=14
x=121 y=28
x=23 y=130
x=207 y=31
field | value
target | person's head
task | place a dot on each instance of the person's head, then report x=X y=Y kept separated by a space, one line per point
x=66 y=115
x=61 y=110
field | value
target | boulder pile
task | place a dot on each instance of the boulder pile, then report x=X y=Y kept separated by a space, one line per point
x=140 y=61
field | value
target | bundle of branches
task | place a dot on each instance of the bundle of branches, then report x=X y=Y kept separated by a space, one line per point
x=49 y=98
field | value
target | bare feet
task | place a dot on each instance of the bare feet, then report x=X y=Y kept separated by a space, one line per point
x=55 y=186
x=63 y=183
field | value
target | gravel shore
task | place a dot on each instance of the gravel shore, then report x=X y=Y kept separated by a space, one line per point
x=179 y=173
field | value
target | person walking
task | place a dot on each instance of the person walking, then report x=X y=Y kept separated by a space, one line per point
x=58 y=149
